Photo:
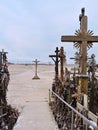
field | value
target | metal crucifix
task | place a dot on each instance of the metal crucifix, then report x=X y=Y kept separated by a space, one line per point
x=56 y=60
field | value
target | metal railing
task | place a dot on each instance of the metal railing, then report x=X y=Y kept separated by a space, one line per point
x=74 y=111
x=3 y=115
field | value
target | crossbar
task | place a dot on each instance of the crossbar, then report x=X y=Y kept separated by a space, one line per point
x=79 y=39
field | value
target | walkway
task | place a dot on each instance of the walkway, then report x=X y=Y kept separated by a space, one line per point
x=31 y=97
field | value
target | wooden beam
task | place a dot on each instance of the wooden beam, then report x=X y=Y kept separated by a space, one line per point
x=79 y=39
x=52 y=55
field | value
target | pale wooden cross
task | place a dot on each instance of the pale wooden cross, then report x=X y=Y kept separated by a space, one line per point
x=36 y=63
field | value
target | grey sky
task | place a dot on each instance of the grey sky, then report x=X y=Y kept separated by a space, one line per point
x=33 y=29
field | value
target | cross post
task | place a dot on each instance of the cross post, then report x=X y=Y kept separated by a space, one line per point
x=36 y=63
x=3 y=57
x=62 y=62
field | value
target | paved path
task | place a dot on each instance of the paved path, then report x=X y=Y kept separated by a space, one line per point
x=31 y=97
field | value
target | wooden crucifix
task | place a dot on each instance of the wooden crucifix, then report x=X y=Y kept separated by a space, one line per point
x=36 y=63
x=56 y=61
x=82 y=40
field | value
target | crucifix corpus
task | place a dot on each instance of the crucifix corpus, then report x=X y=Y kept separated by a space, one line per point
x=83 y=40
x=36 y=63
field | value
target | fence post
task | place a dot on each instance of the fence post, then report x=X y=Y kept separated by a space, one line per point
x=72 y=120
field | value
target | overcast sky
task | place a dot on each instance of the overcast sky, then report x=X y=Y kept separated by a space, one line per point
x=31 y=29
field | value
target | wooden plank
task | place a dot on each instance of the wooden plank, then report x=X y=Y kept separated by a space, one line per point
x=92 y=38
x=71 y=39
x=52 y=55
x=79 y=39
x=91 y=115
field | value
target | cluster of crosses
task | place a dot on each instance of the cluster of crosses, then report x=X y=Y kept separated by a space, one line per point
x=83 y=40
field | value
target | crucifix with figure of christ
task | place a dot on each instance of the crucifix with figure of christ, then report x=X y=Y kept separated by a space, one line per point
x=83 y=40
x=56 y=61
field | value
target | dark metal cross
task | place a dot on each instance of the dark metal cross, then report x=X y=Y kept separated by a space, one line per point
x=83 y=40
x=56 y=61
x=36 y=63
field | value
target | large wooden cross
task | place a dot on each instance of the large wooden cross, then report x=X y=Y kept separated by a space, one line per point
x=85 y=38
x=62 y=63
x=82 y=40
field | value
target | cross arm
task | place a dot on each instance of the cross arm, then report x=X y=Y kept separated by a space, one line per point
x=79 y=38
x=52 y=55
x=92 y=38
x=70 y=39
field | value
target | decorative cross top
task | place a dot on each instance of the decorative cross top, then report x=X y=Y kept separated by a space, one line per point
x=82 y=40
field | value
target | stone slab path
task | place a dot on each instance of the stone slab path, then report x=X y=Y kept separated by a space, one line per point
x=30 y=97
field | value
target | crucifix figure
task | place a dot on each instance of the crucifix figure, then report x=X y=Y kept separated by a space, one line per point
x=82 y=40
x=56 y=61
x=36 y=63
